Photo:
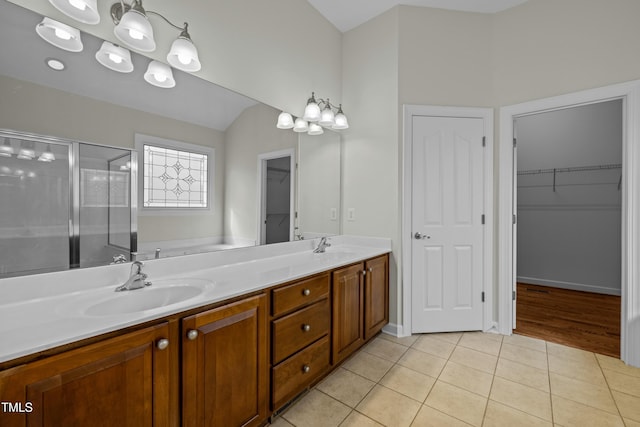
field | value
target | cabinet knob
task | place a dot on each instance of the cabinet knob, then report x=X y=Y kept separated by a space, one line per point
x=370 y=269
x=306 y=368
x=162 y=344
x=306 y=327
x=192 y=334
x=306 y=292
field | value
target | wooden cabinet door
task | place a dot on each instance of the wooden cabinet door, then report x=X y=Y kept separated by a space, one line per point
x=376 y=295
x=122 y=381
x=347 y=314
x=224 y=365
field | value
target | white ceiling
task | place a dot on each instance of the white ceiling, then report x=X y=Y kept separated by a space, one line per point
x=348 y=14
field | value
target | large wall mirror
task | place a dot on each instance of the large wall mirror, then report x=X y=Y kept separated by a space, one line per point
x=266 y=184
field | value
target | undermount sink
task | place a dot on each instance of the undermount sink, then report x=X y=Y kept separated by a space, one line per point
x=161 y=293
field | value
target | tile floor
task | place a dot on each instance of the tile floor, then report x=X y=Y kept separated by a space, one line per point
x=472 y=378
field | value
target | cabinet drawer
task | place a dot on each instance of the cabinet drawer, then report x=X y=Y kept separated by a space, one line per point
x=293 y=375
x=299 y=329
x=299 y=294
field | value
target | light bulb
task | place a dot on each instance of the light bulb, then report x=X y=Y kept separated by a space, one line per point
x=135 y=34
x=62 y=34
x=160 y=77
x=184 y=59
x=78 y=4
x=115 y=58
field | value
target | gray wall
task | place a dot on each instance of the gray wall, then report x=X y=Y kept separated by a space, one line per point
x=570 y=238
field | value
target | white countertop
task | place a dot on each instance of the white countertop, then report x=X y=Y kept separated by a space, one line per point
x=44 y=311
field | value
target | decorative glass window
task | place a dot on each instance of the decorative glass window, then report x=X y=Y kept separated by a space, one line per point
x=174 y=177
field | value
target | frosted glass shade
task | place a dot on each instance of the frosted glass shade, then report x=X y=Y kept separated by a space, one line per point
x=340 y=122
x=184 y=55
x=285 y=121
x=135 y=31
x=60 y=35
x=327 y=117
x=85 y=11
x=160 y=75
x=300 y=125
x=315 y=129
x=311 y=112
x=115 y=57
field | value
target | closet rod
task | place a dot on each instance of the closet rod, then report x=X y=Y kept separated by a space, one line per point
x=572 y=169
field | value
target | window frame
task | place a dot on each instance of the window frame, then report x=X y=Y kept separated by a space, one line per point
x=140 y=141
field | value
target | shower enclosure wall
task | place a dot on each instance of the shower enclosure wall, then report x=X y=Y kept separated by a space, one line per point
x=64 y=204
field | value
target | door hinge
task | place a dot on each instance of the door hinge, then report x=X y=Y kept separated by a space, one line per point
x=482 y=296
x=484 y=141
x=513 y=295
x=514 y=142
x=482 y=219
x=514 y=219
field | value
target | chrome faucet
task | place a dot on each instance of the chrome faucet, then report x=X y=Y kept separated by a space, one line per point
x=137 y=279
x=322 y=246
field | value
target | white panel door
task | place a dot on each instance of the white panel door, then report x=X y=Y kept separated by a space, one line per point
x=447 y=209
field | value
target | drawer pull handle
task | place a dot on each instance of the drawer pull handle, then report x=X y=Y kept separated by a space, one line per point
x=192 y=334
x=306 y=327
x=162 y=344
x=305 y=369
x=306 y=292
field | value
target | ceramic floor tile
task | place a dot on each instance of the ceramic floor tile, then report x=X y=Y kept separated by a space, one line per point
x=345 y=386
x=523 y=374
x=422 y=362
x=486 y=343
x=588 y=394
x=406 y=341
x=429 y=417
x=526 y=356
x=474 y=359
x=450 y=337
x=584 y=370
x=569 y=413
x=434 y=346
x=570 y=353
x=628 y=405
x=385 y=349
x=317 y=409
x=499 y=415
x=356 y=419
x=467 y=378
x=526 y=342
x=408 y=382
x=613 y=364
x=389 y=407
x=281 y=422
x=631 y=423
x=518 y=396
x=622 y=382
x=367 y=365
x=458 y=403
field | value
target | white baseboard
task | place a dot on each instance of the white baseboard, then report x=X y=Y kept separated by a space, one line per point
x=569 y=285
x=393 y=329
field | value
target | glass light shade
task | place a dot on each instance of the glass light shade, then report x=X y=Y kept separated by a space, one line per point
x=184 y=55
x=285 y=121
x=315 y=129
x=311 y=112
x=327 y=118
x=300 y=125
x=26 y=154
x=85 y=11
x=47 y=155
x=60 y=35
x=6 y=150
x=115 y=57
x=340 y=122
x=135 y=31
x=159 y=74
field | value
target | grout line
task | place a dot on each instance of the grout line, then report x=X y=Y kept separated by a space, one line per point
x=546 y=347
x=606 y=380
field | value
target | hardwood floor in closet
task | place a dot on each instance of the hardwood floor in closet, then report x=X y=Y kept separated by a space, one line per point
x=577 y=319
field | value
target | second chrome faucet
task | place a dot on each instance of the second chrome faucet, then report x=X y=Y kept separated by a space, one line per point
x=137 y=279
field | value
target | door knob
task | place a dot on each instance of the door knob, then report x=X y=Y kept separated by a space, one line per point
x=421 y=236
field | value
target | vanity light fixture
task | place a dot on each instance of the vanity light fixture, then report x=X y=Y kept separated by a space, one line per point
x=47 y=155
x=115 y=57
x=318 y=114
x=159 y=74
x=133 y=28
x=26 y=152
x=60 y=35
x=6 y=150
x=85 y=11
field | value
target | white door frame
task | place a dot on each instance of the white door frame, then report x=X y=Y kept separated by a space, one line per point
x=404 y=292
x=262 y=201
x=630 y=94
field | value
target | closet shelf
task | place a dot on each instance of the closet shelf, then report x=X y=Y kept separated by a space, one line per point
x=572 y=169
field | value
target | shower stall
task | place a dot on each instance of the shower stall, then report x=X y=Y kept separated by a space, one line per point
x=64 y=204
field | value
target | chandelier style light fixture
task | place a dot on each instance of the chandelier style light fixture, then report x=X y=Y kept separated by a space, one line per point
x=133 y=29
x=318 y=114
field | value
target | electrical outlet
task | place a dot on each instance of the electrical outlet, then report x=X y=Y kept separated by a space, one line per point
x=333 y=214
x=351 y=214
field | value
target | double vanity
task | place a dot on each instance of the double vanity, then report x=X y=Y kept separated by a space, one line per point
x=224 y=338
